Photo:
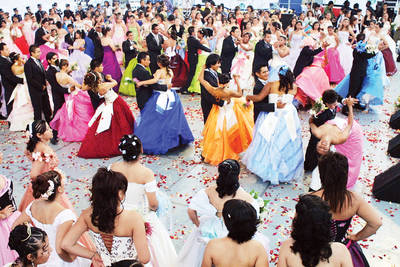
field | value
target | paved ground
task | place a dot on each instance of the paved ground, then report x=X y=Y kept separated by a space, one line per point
x=181 y=173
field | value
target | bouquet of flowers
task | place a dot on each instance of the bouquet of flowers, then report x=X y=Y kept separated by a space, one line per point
x=74 y=66
x=262 y=203
x=371 y=49
x=397 y=103
x=317 y=107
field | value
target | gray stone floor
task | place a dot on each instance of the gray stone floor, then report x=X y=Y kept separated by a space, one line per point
x=181 y=173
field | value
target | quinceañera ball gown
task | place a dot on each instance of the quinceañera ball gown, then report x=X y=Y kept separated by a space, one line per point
x=334 y=69
x=276 y=152
x=82 y=60
x=111 y=65
x=22 y=111
x=71 y=121
x=242 y=66
x=211 y=226
x=162 y=124
x=195 y=84
x=345 y=51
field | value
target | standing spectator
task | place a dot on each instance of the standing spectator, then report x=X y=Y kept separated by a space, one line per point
x=154 y=43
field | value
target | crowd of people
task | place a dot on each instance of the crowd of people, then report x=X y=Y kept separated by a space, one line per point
x=62 y=77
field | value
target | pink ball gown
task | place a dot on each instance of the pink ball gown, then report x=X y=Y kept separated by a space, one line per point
x=6 y=198
x=118 y=38
x=312 y=81
x=334 y=69
x=352 y=149
x=71 y=121
x=28 y=32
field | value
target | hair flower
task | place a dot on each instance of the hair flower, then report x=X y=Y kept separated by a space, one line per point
x=49 y=191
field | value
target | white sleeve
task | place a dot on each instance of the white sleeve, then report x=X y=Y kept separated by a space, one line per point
x=150 y=186
x=65 y=216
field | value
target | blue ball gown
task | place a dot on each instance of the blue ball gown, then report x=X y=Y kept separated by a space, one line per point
x=372 y=86
x=276 y=152
x=162 y=124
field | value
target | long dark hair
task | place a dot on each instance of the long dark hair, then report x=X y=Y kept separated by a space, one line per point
x=228 y=178
x=106 y=185
x=311 y=230
x=35 y=128
x=333 y=169
x=26 y=240
x=164 y=61
x=286 y=79
x=92 y=79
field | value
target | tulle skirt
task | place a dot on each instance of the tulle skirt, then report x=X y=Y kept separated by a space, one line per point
x=195 y=84
x=83 y=62
x=334 y=69
x=278 y=156
x=22 y=111
x=242 y=66
x=127 y=86
x=71 y=120
x=227 y=132
x=6 y=254
x=105 y=144
x=161 y=129
x=346 y=57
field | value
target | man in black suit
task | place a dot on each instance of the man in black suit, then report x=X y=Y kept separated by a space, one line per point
x=36 y=78
x=69 y=38
x=306 y=56
x=213 y=63
x=95 y=34
x=229 y=49
x=68 y=12
x=140 y=72
x=262 y=52
x=154 y=43
x=357 y=73
x=329 y=97
x=260 y=95
x=193 y=45
x=57 y=90
x=8 y=79
x=39 y=14
x=96 y=66
x=41 y=33
x=129 y=48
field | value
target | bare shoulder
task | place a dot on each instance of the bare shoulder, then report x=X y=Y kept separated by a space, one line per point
x=339 y=251
x=148 y=175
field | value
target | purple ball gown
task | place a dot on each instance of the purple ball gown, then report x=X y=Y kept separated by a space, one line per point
x=111 y=65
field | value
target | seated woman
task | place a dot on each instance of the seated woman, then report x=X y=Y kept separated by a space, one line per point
x=276 y=152
x=237 y=249
x=310 y=243
x=228 y=129
x=71 y=120
x=162 y=125
x=347 y=138
x=344 y=205
x=112 y=120
x=117 y=233
x=143 y=196
x=31 y=244
x=205 y=211
x=47 y=213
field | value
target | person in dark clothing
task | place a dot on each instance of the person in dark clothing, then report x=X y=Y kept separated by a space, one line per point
x=96 y=66
x=154 y=43
x=98 y=48
x=306 y=56
x=329 y=97
x=41 y=33
x=193 y=45
x=229 y=49
x=129 y=48
x=39 y=14
x=262 y=52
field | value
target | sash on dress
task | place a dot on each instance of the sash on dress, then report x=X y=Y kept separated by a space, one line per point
x=165 y=101
x=106 y=110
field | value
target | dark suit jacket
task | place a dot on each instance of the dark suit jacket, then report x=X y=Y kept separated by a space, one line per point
x=129 y=51
x=360 y=62
x=227 y=54
x=305 y=59
x=193 y=45
x=264 y=104
x=39 y=37
x=39 y=15
x=35 y=76
x=8 y=80
x=154 y=49
x=262 y=54
x=69 y=39
x=56 y=89
x=143 y=93
x=207 y=99
x=98 y=48
x=180 y=32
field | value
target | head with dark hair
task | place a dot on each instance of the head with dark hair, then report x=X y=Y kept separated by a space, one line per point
x=311 y=230
x=333 y=168
x=95 y=64
x=223 y=78
x=34 y=51
x=235 y=32
x=276 y=25
x=3 y=47
x=108 y=190
x=286 y=79
x=130 y=147
x=38 y=131
x=163 y=62
x=240 y=218
x=92 y=79
x=191 y=30
x=48 y=185
x=172 y=33
x=360 y=37
x=31 y=244
x=154 y=28
x=213 y=60
x=105 y=31
x=79 y=34
x=63 y=64
x=14 y=57
x=201 y=33
x=261 y=72
x=143 y=58
x=228 y=178
x=330 y=97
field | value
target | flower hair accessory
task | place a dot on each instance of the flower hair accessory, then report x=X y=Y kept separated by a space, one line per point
x=30 y=129
x=283 y=70
x=49 y=191
x=95 y=76
x=361 y=46
x=28 y=232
